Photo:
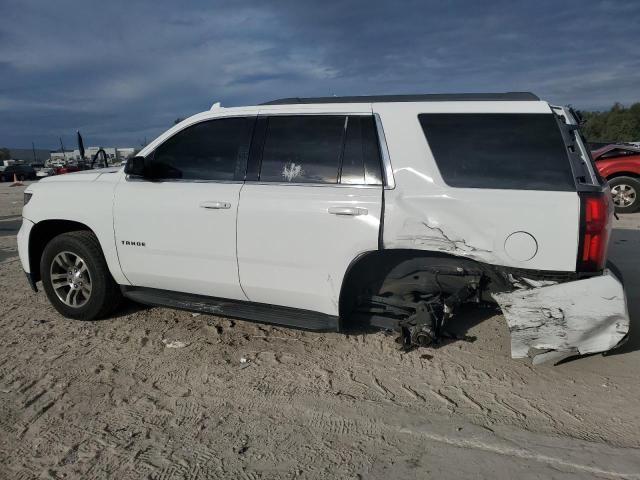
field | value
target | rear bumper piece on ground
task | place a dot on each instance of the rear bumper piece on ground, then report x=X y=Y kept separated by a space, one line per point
x=579 y=317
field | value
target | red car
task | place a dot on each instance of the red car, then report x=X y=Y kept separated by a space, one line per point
x=66 y=169
x=620 y=165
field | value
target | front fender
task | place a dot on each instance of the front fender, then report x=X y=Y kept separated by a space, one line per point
x=89 y=203
x=23 y=243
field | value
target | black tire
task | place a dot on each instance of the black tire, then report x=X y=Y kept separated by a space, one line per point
x=630 y=183
x=105 y=294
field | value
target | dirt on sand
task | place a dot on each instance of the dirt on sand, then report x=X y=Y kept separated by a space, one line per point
x=156 y=393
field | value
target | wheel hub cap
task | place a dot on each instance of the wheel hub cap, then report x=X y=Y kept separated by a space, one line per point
x=623 y=195
x=71 y=279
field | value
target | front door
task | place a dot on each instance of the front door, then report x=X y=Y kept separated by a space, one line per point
x=175 y=228
x=314 y=206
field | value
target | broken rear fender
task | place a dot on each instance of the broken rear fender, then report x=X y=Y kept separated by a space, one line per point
x=582 y=316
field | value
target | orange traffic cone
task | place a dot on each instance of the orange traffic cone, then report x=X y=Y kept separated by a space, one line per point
x=16 y=182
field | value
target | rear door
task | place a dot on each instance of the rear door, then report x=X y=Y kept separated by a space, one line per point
x=311 y=204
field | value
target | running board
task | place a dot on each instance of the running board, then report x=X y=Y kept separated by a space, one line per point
x=256 y=312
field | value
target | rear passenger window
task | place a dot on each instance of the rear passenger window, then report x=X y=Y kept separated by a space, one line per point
x=321 y=149
x=303 y=149
x=361 y=158
x=212 y=150
x=502 y=151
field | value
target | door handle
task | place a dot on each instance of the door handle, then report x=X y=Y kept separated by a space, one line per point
x=215 y=205
x=353 y=211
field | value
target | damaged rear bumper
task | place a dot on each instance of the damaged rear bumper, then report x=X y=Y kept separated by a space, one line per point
x=578 y=317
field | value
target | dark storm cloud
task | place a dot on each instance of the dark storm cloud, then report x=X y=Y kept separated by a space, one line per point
x=122 y=71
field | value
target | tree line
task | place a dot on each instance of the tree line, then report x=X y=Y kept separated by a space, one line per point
x=618 y=124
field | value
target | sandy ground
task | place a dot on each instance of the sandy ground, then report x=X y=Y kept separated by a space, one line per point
x=109 y=398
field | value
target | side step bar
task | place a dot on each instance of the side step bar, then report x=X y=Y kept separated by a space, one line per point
x=256 y=312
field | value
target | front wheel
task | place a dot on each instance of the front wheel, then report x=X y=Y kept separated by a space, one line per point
x=76 y=278
x=625 y=192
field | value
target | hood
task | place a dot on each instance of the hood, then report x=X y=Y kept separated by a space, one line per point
x=82 y=176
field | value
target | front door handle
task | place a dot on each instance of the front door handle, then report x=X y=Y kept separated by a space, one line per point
x=215 y=205
x=353 y=211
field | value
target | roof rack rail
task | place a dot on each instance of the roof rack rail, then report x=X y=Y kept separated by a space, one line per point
x=431 y=97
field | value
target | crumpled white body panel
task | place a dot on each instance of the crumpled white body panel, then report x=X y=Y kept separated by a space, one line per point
x=424 y=213
x=583 y=316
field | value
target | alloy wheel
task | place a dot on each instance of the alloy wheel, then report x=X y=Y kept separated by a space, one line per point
x=70 y=279
x=623 y=195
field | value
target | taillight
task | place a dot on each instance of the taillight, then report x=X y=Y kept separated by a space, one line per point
x=596 y=211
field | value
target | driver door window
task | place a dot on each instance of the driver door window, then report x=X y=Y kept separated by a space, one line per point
x=215 y=150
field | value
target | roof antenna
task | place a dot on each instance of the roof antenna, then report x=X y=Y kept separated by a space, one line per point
x=215 y=106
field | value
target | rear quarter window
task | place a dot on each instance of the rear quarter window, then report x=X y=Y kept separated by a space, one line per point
x=499 y=151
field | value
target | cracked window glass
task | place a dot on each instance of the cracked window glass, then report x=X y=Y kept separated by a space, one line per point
x=303 y=149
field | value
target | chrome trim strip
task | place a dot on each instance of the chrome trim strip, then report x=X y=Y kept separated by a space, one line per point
x=135 y=178
x=389 y=181
x=298 y=184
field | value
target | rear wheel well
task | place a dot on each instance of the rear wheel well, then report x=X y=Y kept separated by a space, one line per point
x=41 y=234
x=402 y=273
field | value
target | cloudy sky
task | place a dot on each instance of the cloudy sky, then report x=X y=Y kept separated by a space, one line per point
x=122 y=71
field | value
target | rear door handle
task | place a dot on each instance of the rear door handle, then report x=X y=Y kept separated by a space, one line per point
x=353 y=211
x=215 y=205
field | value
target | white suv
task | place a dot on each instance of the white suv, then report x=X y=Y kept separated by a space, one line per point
x=316 y=212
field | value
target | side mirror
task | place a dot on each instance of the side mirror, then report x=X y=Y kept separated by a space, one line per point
x=135 y=166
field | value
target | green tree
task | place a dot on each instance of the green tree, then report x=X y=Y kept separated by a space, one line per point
x=5 y=154
x=619 y=124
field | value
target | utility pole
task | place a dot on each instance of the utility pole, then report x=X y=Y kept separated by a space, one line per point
x=63 y=152
x=33 y=149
